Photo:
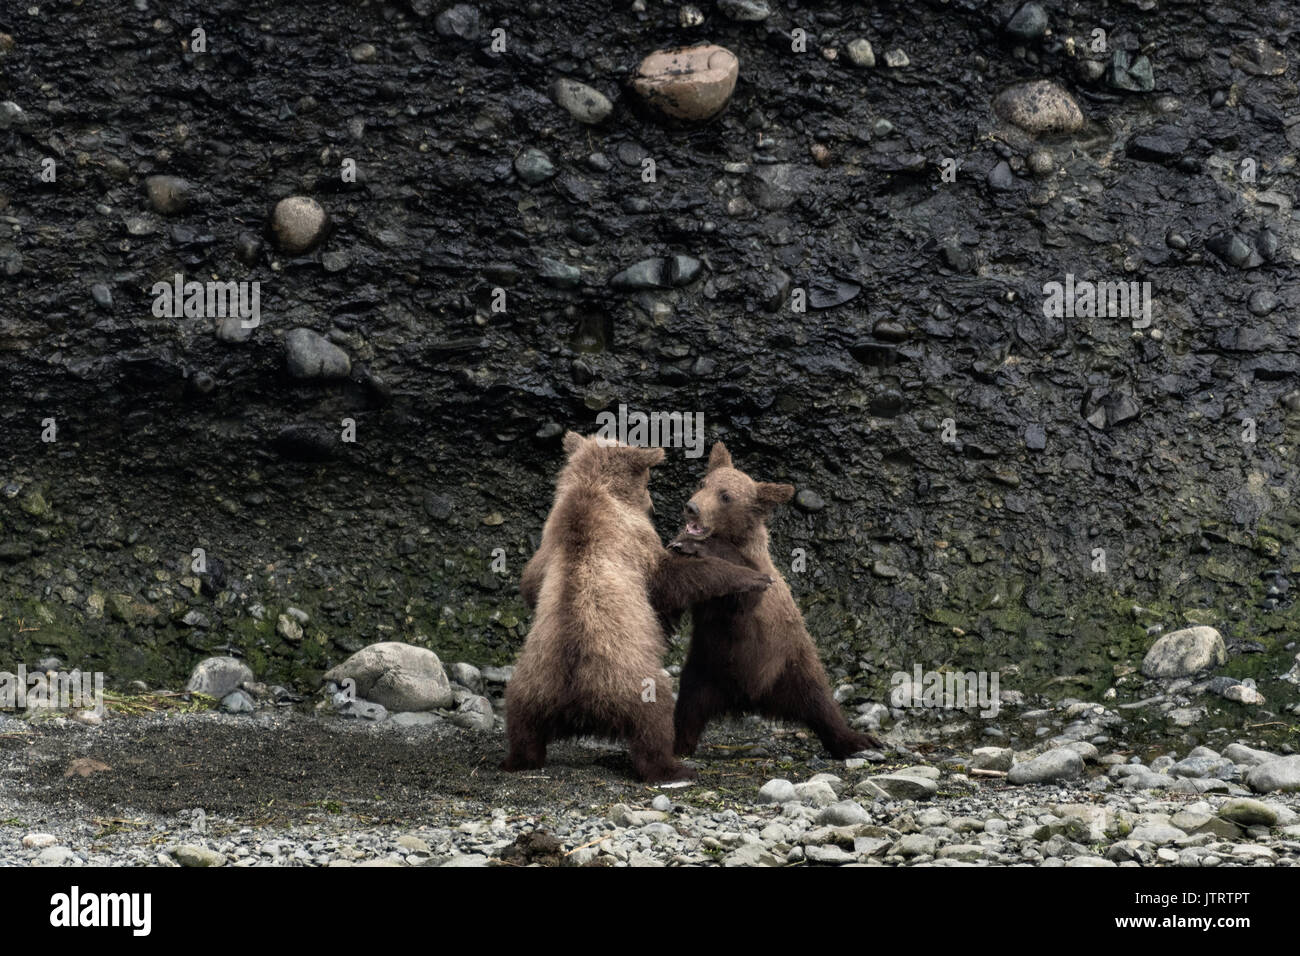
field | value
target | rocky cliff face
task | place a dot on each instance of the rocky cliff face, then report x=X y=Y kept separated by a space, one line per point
x=986 y=482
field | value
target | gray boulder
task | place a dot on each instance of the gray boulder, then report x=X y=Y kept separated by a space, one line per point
x=1059 y=764
x=1183 y=653
x=1282 y=774
x=399 y=676
x=218 y=676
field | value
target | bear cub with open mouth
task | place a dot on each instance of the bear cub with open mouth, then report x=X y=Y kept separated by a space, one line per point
x=750 y=653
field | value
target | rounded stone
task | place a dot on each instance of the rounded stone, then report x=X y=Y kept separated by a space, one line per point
x=580 y=101
x=1039 y=106
x=1041 y=163
x=1029 y=22
x=690 y=83
x=533 y=166
x=309 y=356
x=169 y=195
x=861 y=54
x=298 y=223
x=1184 y=652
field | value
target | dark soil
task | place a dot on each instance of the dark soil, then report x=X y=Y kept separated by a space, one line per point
x=251 y=771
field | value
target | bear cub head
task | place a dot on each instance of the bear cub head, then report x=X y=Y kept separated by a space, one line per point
x=729 y=505
x=623 y=471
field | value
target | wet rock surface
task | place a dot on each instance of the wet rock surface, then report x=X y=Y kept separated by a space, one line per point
x=995 y=488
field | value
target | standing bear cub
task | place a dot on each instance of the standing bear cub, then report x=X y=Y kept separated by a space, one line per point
x=592 y=664
x=750 y=653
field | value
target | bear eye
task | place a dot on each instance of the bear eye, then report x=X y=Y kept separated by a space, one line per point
x=726 y=498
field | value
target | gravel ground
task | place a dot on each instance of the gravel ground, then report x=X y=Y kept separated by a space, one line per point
x=284 y=788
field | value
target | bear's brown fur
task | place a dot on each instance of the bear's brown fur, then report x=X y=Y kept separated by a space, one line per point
x=750 y=653
x=592 y=662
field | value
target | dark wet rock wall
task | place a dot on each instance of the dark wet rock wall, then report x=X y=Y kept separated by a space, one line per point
x=970 y=455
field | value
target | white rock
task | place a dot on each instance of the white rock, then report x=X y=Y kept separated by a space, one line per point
x=398 y=676
x=1185 y=652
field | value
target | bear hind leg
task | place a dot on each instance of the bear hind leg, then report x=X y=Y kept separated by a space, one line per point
x=799 y=698
x=650 y=744
x=527 y=735
x=698 y=702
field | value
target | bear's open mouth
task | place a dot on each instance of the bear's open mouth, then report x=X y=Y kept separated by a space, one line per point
x=696 y=530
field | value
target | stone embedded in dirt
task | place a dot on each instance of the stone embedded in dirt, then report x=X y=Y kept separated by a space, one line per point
x=779 y=186
x=809 y=501
x=861 y=54
x=1248 y=813
x=289 y=629
x=232 y=330
x=169 y=195
x=398 y=676
x=460 y=21
x=818 y=793
x=1039 y=106
x=1133 y=74
x=1059 y=764
x=1104 y=408
x=1183 y=653
x=1282 y=773
x=474 y=713
x=580 y=101
x=690 y=83
x=238 y=702
x=1161 y=145
x=534 y=166
x=1028 y=23
x=744 y=11
x=777 y=791
x=559 y=274
x=1243 y=694
x=312 y=356
x=1247 y=756
x=198 y=856
x=56 y=856
x=658 y=272
x=904 y=786
x=218 y=676
x=298 y=223
x=466 y=675
x=1156 y=833
x=1234 y=250
x=992 y=758
x=845 y=813
x=1258 y=57
x=827 y=292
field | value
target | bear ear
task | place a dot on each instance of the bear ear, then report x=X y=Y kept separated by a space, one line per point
x=770 y=495
x=572 y=442
x=644 y=457
x=719 y=457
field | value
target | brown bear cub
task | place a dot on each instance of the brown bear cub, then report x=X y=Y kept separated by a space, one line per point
x=750 y=653
x=592 y=662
